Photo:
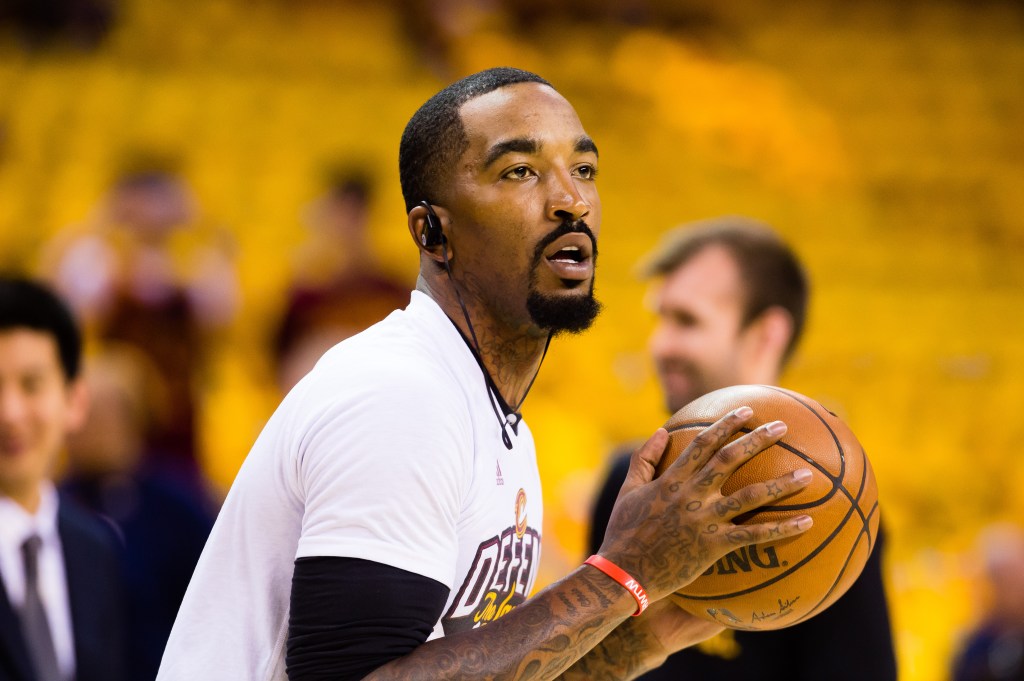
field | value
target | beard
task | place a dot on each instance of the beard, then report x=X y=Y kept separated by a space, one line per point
x=561 y=314
x=696 y=383
x=567 y=312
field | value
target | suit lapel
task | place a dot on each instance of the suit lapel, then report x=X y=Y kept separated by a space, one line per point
x=82 y=592
x=94 y=595
x=14 y=662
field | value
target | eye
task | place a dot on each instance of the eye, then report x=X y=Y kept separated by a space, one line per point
x=519 y=173
x=681 y=318
x=587 y=171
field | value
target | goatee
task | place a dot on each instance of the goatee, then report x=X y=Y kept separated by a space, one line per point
x=572 y=313
x=566 y=313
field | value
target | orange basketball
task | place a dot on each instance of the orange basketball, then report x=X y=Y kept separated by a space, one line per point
x=781 y=583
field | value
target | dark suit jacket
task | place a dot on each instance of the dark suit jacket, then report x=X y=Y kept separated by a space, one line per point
x=96 y=600
x=850 y=641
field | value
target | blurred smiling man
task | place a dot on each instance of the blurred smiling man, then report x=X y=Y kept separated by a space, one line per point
x=730 y=298
x=61 y=602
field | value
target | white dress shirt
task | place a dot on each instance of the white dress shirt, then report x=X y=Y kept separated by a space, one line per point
x=17 y=525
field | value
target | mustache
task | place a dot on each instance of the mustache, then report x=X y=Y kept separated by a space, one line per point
x=567 y=227
x=676 y=365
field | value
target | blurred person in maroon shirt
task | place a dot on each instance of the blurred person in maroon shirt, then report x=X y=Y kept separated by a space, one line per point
x=340 y=287
x=144 y=271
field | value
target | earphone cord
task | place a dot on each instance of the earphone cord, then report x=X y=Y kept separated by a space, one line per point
x=492 y=388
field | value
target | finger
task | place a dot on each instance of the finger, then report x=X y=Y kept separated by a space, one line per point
x=758 y=533
x=726 y=460
x=710 y=440
x=758 y=494
x=645 y=460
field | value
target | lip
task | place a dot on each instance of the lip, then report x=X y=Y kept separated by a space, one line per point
x=570 y=257
x=11 y=446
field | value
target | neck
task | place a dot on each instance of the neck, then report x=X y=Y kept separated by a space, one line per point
x=28 y=498
x=511 y=354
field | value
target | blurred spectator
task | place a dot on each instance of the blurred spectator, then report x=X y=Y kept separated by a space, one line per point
x=144 y=273
x=731 y=297
x=61 y=599
x=340 y=288
x=84 y=23
x=435 y=27
x=163 y=525
x=994 y=651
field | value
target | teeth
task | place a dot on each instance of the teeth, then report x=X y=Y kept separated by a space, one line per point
x=569 y=253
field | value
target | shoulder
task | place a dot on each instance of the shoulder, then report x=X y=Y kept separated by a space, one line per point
x=79 y=523
x=401 y=365
x=92 y=544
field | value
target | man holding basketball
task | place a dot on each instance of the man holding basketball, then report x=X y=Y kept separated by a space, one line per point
x=730 y=298
x=386 y=523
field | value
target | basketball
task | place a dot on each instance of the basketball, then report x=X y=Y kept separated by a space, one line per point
x=778 y=584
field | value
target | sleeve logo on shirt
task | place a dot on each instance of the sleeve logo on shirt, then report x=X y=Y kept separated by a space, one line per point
x=500 y=578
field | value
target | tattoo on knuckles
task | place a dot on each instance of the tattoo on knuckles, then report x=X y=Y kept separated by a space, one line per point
x=727 y=507
x=710 y=479
x=740 y=536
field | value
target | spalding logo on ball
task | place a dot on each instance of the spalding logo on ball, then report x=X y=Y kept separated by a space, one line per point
x=781 y=583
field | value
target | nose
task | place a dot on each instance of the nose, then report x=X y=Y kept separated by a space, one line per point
x=566 y=203
x=660 y=343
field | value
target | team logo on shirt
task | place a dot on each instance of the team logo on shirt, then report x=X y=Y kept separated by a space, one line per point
x=501 y=575
x=520 y=513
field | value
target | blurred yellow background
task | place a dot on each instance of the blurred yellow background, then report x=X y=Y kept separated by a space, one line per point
x=884 y=140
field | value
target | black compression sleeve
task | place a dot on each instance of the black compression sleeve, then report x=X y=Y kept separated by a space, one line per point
x=350 y=616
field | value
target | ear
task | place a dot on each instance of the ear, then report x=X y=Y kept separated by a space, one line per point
x=418 y=224
x=766 y=339
x=78 y=404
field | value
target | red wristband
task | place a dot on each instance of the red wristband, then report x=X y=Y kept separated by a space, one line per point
x=623 y=578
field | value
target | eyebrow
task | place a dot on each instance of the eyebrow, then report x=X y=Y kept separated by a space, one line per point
x=585 y=144
x=528 y=145
x=523 y=145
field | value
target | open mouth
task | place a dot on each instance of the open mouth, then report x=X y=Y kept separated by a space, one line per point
x=570 y=258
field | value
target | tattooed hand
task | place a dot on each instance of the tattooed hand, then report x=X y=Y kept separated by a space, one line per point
x=666 y=531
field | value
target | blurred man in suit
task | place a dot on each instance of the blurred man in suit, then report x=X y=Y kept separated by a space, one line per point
x=731 y=298
x=61 y=606
x=994 y=649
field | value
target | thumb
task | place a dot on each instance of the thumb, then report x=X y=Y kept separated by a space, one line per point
x=644 y=461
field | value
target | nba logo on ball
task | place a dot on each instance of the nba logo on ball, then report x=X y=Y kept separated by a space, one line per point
x=778 y=584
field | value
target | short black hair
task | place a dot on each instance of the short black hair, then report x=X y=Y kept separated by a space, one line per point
x=771 y=273
x=434 y=138
x=27 y=304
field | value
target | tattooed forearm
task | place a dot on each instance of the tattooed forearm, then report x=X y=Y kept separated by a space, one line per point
x=538 y=640
x=570 y=607
x=623 y=654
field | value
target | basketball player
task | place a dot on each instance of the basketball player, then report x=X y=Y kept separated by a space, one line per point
x=386 y=522
x=730 y=299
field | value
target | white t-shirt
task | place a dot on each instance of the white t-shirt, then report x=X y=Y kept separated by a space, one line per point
x=390 y=451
